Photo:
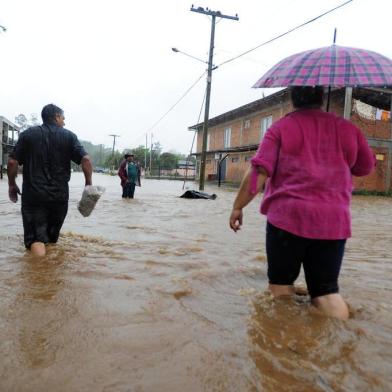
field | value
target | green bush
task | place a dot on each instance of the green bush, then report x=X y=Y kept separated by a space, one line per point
x=364 y=192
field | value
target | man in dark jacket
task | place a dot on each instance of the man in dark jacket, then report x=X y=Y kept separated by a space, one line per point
x=46 y=153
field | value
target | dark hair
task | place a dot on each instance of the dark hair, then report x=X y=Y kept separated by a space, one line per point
x=307 y=96
x=49 y=112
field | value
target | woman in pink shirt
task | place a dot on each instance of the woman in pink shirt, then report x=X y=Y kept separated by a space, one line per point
x=307 y=160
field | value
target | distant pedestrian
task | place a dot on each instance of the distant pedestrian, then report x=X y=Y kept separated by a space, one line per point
x=309 y=157
x=46 y=152
x=129 y=173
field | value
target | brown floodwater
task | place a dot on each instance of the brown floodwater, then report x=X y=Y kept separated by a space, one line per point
x=157 y=294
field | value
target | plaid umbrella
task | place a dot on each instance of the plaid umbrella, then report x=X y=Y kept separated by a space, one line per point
x=334 y=66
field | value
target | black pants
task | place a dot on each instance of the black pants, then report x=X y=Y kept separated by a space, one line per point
x=129 y=190
x=321 y=260
x=42 y=222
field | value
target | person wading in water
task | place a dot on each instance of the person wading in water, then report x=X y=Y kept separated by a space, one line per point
x=309 y=157
x=46 y=153
x=129 y=173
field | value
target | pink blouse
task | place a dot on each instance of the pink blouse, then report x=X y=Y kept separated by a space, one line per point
x=310 y=157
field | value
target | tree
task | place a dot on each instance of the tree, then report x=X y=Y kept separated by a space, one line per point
x=114 y=160
x=24 y=123
x=168 y=161
x=140 y=154
x=21 y=121
x=98 y=152
x=157 y=148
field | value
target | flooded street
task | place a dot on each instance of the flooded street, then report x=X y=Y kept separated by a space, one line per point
x=157 y=294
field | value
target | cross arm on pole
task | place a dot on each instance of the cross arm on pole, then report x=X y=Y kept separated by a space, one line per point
x=218 y=14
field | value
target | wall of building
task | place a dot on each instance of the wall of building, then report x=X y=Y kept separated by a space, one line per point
x=8 y=134
x=242 y=135
x=377 y=180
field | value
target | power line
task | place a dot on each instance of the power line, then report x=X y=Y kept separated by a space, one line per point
x=173 y=106
x=241 y=55
x=182 y=97
x=287 y=32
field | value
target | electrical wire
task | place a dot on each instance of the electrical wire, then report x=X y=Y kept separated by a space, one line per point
x=241 y=55
x=287 y=32
x=173 y=106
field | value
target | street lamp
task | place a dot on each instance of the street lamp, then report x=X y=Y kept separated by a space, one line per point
x=2 y=28
x=175 y=50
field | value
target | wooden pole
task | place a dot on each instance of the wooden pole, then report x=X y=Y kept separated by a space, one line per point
x=348 y=103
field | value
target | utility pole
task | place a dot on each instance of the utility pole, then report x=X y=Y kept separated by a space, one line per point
x=214 y=15
x=145 y=157
x=114 y=142
x=151 y=156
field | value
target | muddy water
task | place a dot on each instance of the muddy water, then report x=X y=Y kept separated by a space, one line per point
x=156 y=294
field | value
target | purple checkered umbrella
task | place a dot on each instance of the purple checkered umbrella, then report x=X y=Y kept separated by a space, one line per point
x=334 y=66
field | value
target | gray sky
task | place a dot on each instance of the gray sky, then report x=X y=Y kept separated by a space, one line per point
x=109 y=64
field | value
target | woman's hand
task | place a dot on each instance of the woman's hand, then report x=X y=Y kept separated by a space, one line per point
x=236 y=219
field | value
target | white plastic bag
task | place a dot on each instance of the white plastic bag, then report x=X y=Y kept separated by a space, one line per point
x=90 y=196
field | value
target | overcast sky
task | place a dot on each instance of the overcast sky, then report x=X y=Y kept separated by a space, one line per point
x=109 y=64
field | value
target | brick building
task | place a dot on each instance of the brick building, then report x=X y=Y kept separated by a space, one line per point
x=233 y=137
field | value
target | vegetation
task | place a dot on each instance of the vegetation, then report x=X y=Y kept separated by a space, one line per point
x=104 y=157
x=363 y=192
x=23 y=122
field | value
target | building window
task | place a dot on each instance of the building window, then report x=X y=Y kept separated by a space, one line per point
x=227 y=138
x=266 y=122
x=246 y=124
x=235 y=159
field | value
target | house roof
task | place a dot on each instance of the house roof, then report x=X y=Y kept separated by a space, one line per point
x=378 y=97
x=10 y=123
x=184 y=162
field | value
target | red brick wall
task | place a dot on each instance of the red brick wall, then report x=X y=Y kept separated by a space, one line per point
x=375 y=181
x=235 y=170
x=372 y=128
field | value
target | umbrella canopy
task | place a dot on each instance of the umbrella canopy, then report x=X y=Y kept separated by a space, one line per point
x=334 y=66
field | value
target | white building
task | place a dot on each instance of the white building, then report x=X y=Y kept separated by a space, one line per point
x=9 y=133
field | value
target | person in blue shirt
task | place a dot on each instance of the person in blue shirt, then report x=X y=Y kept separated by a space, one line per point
x=129 y=172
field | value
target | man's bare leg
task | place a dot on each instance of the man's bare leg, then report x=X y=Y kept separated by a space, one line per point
x=38 y=249
x=278 y=290
x=332 y=305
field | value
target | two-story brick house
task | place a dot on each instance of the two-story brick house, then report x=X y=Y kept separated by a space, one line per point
x=233 y=137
